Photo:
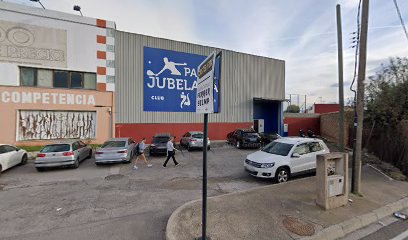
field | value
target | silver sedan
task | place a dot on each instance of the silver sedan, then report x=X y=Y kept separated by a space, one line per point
x=116 y=150
x=193 y=139
x=68 y=153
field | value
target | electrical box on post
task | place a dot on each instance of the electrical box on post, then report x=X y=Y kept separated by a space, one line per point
x=335 y=185
x=332 y=184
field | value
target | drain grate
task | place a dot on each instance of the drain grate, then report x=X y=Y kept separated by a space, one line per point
x=114 y=177
x=298 y=226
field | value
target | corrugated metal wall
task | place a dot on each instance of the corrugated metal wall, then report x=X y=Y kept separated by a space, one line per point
x=243 y=77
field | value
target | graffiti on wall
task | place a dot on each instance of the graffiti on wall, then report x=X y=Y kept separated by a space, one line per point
x=42 y=125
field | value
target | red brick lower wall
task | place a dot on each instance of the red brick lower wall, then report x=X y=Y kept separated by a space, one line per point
x=297 y=123
x=216 y=131
x=329 y=126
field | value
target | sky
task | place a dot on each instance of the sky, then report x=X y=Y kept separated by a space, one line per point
x=300 y=32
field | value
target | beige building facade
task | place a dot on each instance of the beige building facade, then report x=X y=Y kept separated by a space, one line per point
x=57 y=76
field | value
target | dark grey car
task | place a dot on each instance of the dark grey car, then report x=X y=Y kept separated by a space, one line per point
x=159 y=144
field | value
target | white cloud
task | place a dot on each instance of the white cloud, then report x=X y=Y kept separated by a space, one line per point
x=303 y=33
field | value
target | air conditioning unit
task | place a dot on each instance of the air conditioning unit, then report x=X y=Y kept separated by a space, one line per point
x=335 y=185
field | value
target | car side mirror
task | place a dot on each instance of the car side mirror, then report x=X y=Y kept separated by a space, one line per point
x=295 y=155
x=17 y=149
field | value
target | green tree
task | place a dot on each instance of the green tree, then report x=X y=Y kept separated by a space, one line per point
x=293 y=109
x=387 y=93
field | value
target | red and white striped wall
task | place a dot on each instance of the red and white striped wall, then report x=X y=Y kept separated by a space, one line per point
x=105 y=55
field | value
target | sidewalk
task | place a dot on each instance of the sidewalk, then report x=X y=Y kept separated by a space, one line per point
x=280 y=210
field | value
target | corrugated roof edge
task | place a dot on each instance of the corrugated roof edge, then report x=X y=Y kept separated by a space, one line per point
x=201 y=45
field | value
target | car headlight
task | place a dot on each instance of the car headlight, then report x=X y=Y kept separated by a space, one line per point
x=267 y=165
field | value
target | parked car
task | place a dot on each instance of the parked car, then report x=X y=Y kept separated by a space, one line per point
x=268 y=137
x=116 y=150
x=159 y=144
x=63 y=154
x=194 y=139
x=245 y=138
x=285 y=157
x=11 y=156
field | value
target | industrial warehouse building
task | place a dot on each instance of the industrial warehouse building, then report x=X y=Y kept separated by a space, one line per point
x=247 y=87
x=67 y=76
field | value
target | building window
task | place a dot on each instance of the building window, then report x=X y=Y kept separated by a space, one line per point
x=37 y=77
x=28 y=76
x=89 y=81
x=44 y=78
x=76 y=80
x=61 y=79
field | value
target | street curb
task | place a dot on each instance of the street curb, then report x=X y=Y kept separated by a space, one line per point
x=172 y=222
x=340 y=230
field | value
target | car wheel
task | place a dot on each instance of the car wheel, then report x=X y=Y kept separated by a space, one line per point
x=76 y=164
x=1 y=169
x=24 y=159
x=208 y=148
x=282 y=175
x=39 y=169
x=239 y=144
x=90 y=154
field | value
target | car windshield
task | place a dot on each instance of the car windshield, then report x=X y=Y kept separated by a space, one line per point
x=278 y=148
x=198 y=135
x=251 y=134
x=112 y=144
x=56 y=148
x=160 y=139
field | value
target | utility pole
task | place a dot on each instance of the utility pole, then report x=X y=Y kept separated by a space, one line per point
x=356 y=185
x=305 y=104
x=341 y=86
x=298 y=101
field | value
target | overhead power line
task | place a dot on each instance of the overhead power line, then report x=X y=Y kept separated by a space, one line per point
x=400 y=17
x=357 y=41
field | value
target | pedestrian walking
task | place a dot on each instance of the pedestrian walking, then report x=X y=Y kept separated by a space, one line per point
x=140 y=154
x=171 y=151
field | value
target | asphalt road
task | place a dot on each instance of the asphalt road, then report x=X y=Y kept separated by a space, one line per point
x=113 y=201
x=391 y=231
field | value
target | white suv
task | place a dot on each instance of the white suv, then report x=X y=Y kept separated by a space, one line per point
x=285 y=157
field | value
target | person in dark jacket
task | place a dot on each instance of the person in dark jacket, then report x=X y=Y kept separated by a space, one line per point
x=171 y=151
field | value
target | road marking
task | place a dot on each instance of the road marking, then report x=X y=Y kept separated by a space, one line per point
x=402 y=236
x=378 y=170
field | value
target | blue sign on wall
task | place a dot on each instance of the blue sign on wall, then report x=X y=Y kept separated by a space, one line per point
x=170 y=81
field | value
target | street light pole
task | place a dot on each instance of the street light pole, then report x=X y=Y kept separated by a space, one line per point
x=341 y=87
x=38 y=2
